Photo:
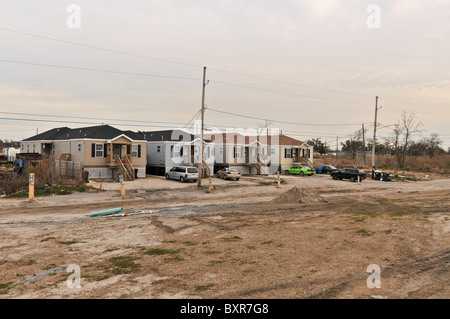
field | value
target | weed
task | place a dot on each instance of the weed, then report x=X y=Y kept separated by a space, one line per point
x=232 y=239
x=70 y=242
x=124 y=265
x=47 y=239
x=4 y=288
x=364 y=232
x=174 y=258
x=190 y=243
x=161 y=251
x=203 y=288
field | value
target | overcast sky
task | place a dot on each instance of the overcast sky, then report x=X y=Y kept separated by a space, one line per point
x=327 y=60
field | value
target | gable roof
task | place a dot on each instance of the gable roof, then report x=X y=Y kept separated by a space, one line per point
x=105 y=132
x=49 y=135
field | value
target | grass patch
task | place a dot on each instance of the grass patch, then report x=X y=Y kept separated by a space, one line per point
x=161 y=251
x=70 y=242
x=267 y=242
x=365 y=232
x=190 y=243
x=216 y=262
x=203 y=287
x=232 y=239
x=174 y=258
x=4 y=288
x=124 y=265
x=47 y=239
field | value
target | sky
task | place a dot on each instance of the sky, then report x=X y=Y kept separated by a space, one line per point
x=310 y=68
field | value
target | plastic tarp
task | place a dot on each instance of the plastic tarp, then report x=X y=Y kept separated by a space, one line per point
x=319 y=169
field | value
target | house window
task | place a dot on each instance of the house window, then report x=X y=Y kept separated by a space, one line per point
x=158 y=148
x=220 y=149
x=287 y=153
x=134 y=150
x=28 y=148
x=34 y=148
x=79 y=148
x=237 y=152
x=53 y=149
x=99 y=150
x=22 y=147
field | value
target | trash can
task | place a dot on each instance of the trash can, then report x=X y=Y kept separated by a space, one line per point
x=377 y=175
x=85 y=176
x=385 y=177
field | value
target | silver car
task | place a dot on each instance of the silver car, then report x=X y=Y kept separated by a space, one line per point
x=183 y=173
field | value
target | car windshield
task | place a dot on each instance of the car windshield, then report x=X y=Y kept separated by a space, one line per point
x=306 y=167
x=232 y=170
x=192 y=170
x=332 y=167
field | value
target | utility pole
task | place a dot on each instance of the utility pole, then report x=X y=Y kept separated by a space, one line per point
x=364 y=145
x=337 y=145
x=374 y=136
x=200 y=174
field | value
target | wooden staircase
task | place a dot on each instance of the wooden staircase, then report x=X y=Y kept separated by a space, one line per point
x=125 y=168
x=259 y=165
x=203 y=169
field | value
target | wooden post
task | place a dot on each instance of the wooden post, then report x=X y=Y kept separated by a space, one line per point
x=210 y=188
x=122 y=185
x=31 y=186
x=278 y=182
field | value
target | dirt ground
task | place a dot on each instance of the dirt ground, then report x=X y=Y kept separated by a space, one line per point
x=235 y=242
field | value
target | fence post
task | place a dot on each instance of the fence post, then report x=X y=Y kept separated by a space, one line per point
x=122 y=185
x=31 y=186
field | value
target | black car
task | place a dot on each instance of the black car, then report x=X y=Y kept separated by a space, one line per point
x=349 y=173
x=328 y=169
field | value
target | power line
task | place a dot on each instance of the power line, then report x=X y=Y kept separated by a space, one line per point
x=100 y=48
x=278 y=121
x=87 y=118
x=98 y=70
x=288 y=83
x=283 y=92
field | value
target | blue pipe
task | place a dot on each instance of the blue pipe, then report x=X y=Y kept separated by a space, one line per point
x=107 y=211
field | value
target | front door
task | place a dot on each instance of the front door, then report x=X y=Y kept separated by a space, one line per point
x=117 y=150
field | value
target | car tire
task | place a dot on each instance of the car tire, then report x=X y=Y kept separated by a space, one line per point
x=182 y=179
x=167 y=176
x=335 y=177
x=286 y=172
x=302 y=174
x=224 y=177
x=237 y=179
x=352 y=179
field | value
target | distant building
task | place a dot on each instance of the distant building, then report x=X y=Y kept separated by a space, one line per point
x=10 y=153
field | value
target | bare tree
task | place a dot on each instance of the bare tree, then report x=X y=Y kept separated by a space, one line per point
x=408 y=125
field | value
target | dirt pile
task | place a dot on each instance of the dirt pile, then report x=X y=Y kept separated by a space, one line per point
x=298 y=195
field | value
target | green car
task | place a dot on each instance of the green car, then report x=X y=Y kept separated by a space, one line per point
x=299 y=170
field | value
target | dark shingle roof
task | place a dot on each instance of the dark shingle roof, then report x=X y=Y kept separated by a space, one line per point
x=94 y=132
x=167 y=135
x=52 y=134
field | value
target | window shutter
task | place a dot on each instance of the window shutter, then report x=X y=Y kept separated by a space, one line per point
x=93 y=150
x=105 y=150
x=128 y=149
x=139 y=150
x=234 y=152
x=285 y=153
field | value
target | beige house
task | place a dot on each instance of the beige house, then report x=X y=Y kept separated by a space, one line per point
x=293 y=152
x=103 y=151
x=258 y=154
